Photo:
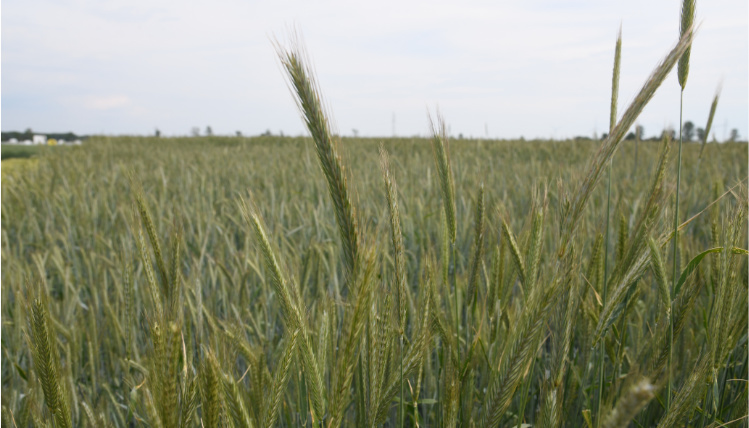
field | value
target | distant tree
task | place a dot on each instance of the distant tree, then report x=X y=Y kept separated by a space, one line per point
x=157 y=133
x=208 y=131
x=734 y=135
x=687 y=132
x=630 y=136
x=460 y=136
x=670 y=133
x=355 y=132
x=195 y=131
x=604 y=136
x=239 y=133
x=701 y=135
x=267 y=133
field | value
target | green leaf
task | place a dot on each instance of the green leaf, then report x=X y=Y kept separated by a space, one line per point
x=21 y=372
x=691 y=267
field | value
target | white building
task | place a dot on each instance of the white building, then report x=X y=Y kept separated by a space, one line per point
x=40 y=139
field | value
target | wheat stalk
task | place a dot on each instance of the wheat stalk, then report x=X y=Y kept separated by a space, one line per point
x=686 y=29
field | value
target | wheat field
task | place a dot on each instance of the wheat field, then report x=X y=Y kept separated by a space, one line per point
x=327 y=281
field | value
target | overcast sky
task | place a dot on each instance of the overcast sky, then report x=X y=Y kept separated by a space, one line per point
x=521 y=68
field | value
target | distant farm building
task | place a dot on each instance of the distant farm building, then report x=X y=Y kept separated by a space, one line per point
x=40 y=139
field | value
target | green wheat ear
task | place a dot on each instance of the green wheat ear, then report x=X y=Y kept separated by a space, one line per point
x=147 y=219
x=517 y=256
x=210 y=391
x=46 y=360
x=615 y=80
x=659 y=272
x=291 y=307
x=478 y=241
x=687 y=22
x=630 y=404
x=533 y=253
x=391 y=193
x=235 y=403
x=351 y=332
x=396 y=234
x=621 y=243
x=272 y=402
x=609 y=146
x=440 y=147
x=689 y=394
x=710 y=117
x=309 y=101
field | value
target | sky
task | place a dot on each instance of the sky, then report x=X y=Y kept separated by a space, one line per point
x=495 y=69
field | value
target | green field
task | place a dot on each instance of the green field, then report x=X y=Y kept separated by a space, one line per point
x=16 y=151
x=215 y=337
x=328 y=282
